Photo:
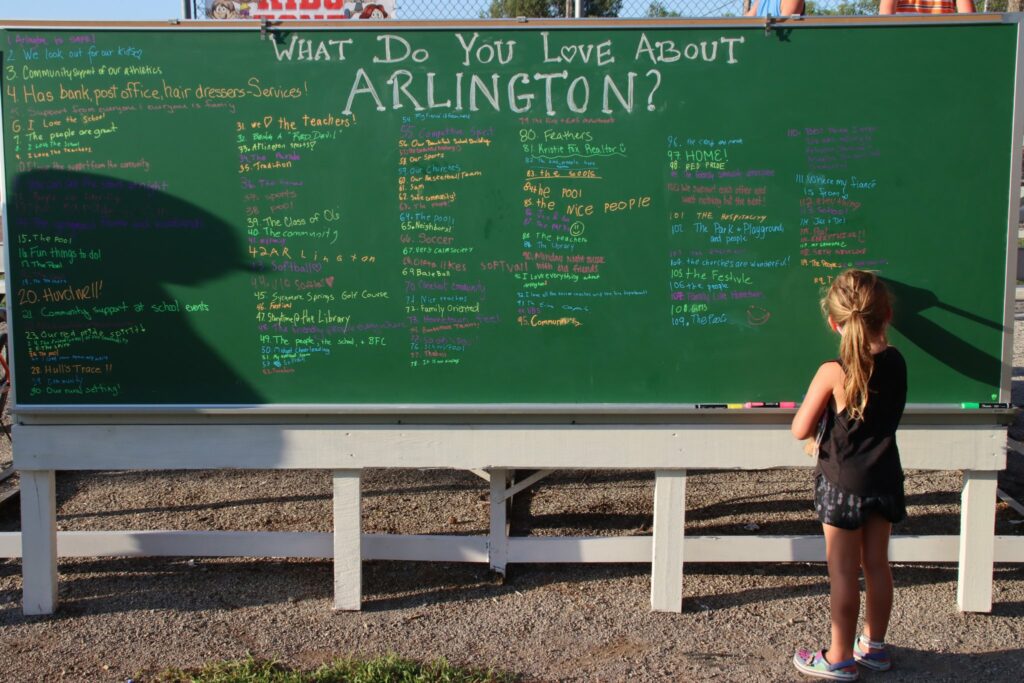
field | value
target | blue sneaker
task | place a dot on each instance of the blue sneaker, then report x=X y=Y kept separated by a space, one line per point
x=878 y=660
x=814 y=664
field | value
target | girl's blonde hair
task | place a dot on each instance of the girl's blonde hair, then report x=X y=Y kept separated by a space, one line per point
x=859 y=304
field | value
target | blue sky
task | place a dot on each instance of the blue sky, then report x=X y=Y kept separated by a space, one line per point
x=91 y=9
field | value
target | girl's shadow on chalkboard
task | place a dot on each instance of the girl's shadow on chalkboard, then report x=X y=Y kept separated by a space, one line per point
x=117 y=246
x=950 y=350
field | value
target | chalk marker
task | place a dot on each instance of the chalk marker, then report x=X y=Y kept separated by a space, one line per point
x=994 y=405
x=712 y=405
x=735 y=406
x=754 y=404
x=970 y=405
x=787 y=404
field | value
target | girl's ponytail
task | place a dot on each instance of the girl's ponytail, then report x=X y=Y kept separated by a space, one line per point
x=858 y=303
x=855 y=352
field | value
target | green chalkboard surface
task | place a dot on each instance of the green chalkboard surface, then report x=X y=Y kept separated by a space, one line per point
x=578 y=214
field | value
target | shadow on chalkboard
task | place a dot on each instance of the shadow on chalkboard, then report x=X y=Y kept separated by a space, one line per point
x=783 y=34
x=121 y=244
x=952 y=351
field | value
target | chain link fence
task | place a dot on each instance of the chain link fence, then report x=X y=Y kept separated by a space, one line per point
x=625 y=9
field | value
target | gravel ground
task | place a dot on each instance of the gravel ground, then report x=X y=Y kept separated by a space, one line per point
x=131 y=618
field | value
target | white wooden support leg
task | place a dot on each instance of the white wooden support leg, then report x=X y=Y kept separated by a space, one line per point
x=977 y=541
x=38 y=541
x=497 y=543
x=667 y=551
x=348 y=551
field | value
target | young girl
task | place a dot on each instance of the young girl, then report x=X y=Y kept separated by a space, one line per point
x=854 y=405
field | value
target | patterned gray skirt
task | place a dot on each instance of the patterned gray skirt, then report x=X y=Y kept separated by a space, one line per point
x=845 y=510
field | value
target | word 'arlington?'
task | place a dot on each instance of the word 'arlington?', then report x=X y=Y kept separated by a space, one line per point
x=519 y=91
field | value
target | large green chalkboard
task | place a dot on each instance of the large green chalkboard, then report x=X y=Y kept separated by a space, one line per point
x=574 y=214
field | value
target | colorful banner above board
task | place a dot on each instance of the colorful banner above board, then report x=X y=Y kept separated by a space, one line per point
x=278 y=10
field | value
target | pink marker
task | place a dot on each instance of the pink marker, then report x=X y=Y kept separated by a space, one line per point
x=787 y=404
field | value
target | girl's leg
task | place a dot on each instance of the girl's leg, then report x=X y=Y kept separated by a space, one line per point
x=843 y=553
x=877 y=576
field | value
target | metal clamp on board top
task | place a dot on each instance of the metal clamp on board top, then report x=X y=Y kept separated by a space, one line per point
x=770 y=21
x=265 y=27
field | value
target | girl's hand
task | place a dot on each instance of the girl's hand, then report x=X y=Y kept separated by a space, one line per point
x=819 y=393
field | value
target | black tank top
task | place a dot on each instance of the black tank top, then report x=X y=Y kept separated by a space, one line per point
x=861 y=456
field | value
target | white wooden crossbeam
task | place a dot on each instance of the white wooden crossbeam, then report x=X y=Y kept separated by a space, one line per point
x=483 y=474
x=1011 y=501
x=526 y=483
x=651 y=447
x=525 y=549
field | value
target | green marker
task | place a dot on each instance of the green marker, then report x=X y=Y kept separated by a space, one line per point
x=970 y=405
